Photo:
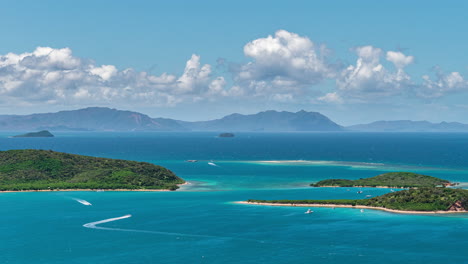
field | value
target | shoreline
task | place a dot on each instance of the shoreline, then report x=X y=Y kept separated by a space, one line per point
x=355 y=207
x=99 y=190
x=384 y=187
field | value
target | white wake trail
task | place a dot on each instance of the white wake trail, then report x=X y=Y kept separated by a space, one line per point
x=94 y=225
x=213 y=164
x=84 y=202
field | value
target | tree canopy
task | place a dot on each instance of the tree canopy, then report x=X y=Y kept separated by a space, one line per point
x=45 y=169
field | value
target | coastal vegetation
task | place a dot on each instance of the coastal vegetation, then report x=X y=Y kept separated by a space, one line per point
x=391 y=179
x=48 y=170
x=421 y=199
x=43 y=133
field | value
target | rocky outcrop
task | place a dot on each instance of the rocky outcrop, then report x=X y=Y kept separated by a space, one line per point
x=457 y=207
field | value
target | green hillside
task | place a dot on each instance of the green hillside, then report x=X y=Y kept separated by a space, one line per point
x=45 y=169
x=391 y=179
x=421 y=199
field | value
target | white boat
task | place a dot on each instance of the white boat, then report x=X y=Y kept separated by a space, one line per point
x=308 y=211
x=368 y=196
x=83 y=202
x=212 y=164
x=359 y=191
x=362 y=210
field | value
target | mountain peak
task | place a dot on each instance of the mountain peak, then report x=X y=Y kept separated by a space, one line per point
x=269 y=120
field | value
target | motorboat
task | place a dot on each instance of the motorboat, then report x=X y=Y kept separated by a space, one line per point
x=83 y=202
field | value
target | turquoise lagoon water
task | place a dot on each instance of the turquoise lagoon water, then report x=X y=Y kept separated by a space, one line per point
x=201 y=224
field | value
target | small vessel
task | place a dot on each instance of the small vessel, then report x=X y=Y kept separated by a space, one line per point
x=191 y=160
x=362 y=210
x=308 y=211
x=359 y=191
x=224 y=135
x=392 y=190
x=368 y=196
x=212 y=164
x=83 y=202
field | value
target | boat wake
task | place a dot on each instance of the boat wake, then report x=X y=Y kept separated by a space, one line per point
x=213 y=164
x=83 y=202
x=94 y=225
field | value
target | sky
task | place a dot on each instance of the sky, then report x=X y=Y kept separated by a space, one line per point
x=354 y=61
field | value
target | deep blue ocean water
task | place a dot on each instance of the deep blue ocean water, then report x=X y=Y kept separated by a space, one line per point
x=200 y=224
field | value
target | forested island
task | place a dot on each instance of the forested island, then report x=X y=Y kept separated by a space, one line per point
x=389 y=180
x=43 y=133
x=22 y=170
x=427 y=199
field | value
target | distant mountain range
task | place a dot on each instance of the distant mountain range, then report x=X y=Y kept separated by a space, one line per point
x=409 y=126
x=107 y=119
x=88 y=119
x=271 y=121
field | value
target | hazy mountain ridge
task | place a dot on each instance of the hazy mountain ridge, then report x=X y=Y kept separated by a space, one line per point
x=409 y=126
x=87 y=119
x=271 y=121
x=107 y=119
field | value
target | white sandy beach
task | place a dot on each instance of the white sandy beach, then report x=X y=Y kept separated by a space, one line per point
x=356 y=207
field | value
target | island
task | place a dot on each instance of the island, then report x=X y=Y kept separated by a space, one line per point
x=224 y=135
x=421 y=200
x=388 y=180
x=43 y=133
x=30 y=169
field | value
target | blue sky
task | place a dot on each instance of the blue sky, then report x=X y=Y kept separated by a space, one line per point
x=203 y=59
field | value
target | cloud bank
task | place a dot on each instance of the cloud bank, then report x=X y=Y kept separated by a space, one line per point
x=284 y=67
x=55 y=76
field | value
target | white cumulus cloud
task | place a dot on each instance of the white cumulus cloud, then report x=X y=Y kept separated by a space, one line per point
x=333 y=97
x=55 y=76
x=369 y=79
x=283 y=65
x=444 y=84
x=399 y=59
